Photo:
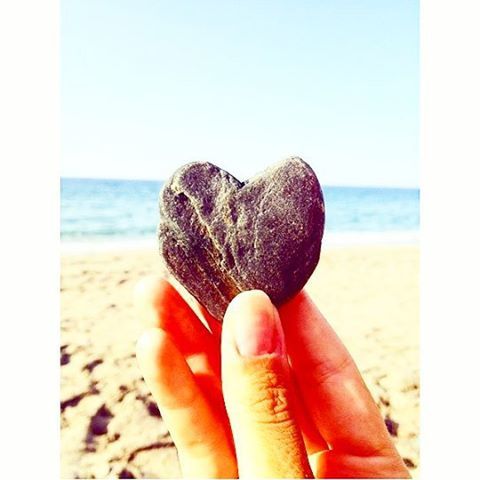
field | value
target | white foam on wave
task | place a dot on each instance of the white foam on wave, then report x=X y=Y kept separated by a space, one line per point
x=72 y=247
x=336 y=239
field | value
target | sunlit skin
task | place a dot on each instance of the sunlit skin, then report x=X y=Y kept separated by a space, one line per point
x=297 y=405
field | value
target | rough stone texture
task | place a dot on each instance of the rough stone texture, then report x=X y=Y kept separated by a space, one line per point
x=219 y=236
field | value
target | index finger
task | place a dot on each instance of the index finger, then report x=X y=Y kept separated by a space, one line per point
x=160 y=305
x=331 y=385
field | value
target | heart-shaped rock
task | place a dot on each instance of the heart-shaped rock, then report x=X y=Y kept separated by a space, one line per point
x=219 y=236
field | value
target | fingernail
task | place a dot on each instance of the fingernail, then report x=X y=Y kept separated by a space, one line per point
x=257 y=328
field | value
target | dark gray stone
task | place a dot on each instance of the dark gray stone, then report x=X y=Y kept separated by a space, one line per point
x=219 y=236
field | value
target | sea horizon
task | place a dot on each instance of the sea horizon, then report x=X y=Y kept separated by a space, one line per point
x=149 y=180
x=105 y=214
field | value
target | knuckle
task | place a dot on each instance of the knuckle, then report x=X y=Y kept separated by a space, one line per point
x=324 y=372
x=269 y=402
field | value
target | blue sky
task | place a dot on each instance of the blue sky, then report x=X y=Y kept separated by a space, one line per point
x=150 y=85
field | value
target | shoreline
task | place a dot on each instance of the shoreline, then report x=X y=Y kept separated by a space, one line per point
x=330 y=240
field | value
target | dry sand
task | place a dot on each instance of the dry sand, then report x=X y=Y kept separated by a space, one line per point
x=110 y=426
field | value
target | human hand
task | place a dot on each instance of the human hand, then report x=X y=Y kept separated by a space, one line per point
x=289 y=401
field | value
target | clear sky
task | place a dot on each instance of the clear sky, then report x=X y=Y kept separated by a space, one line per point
x=148 y=85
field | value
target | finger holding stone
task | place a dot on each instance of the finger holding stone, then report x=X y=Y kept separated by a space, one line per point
x=214 y=326
x=158 y=304
x=257 y=391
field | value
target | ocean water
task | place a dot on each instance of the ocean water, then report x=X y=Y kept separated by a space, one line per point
x=102 y=212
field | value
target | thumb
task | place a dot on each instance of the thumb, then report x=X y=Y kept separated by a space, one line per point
x=256 y=388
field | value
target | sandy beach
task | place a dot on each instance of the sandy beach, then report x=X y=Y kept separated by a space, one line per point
x=111 y=428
